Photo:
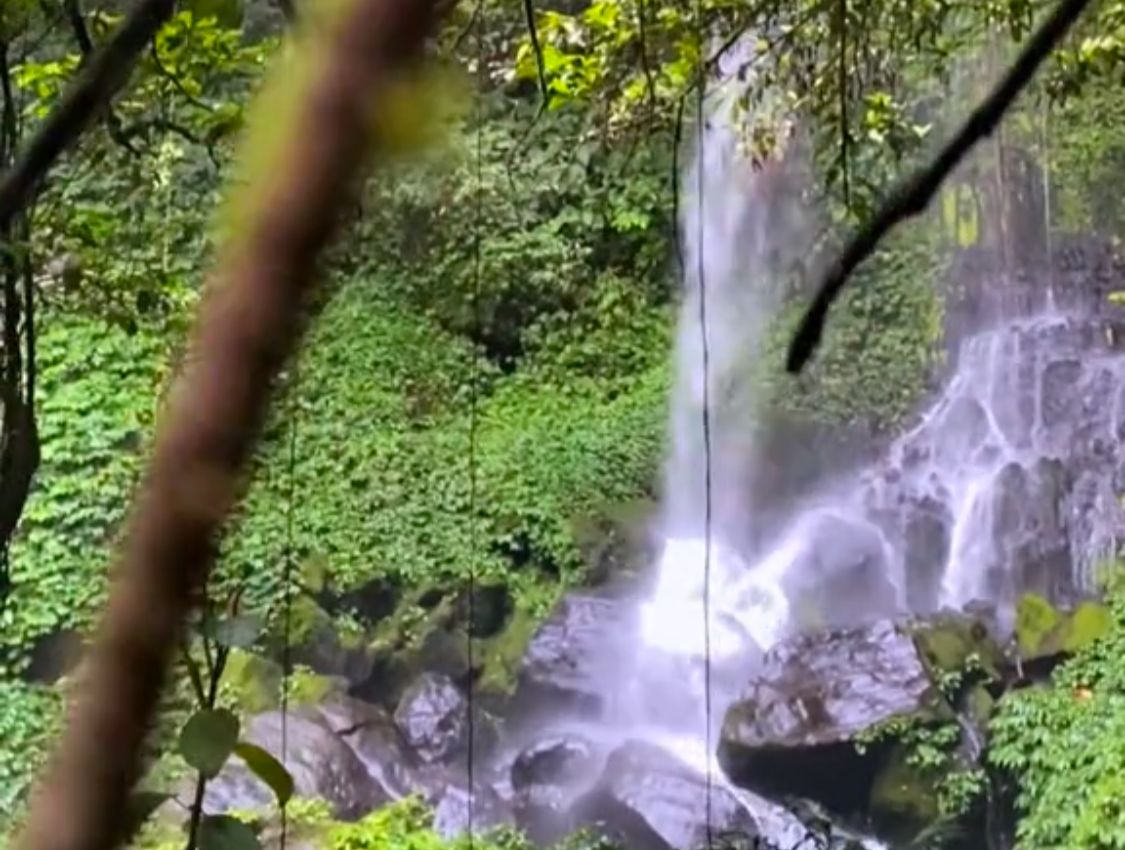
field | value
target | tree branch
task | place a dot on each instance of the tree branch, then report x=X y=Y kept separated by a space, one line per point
x=537 y=49
x=912 y=198
x=105 y=74
x=250 y=323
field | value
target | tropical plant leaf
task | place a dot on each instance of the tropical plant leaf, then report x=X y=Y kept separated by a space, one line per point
x=268 y=769
x=223 y=832
x=207 y=740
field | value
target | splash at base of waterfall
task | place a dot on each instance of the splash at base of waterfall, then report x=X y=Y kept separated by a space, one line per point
x=745 y=605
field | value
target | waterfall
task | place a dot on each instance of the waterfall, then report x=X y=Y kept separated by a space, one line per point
x=1005 y=484
x=739 y=231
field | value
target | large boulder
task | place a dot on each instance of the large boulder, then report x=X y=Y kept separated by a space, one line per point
x=792 y=731
x=646 y=799
x=457 y=812
x=570 y=659
x=321 y=763
x=434 y=719
x=546 y=778
x=373 y=736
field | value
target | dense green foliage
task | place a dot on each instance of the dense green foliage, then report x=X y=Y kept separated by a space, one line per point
x=1064 y=745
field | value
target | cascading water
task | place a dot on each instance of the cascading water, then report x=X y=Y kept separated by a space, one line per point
x=738 y=233
x=1007 y=483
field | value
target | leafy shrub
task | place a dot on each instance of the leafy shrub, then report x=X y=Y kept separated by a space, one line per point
x=1064 y=745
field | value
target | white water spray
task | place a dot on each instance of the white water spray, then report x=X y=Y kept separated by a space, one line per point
x=738 y=235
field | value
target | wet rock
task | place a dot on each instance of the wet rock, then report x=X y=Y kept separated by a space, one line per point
x=842 y=573
x=371 y=733
x=556 y=760
x=320 y=762
x=1060 y=390
x=962 y=430
x=822 y=829
x=926 y=540
x=433 y=717
x=546 y=778
x=1029 y=530
x=569 y=660
x=457 y=813
x=646 y=799
x=791 y=731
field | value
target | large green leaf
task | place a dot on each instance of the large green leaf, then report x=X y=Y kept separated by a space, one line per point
x=223 y=832
x=207 y=740
x=268 y=769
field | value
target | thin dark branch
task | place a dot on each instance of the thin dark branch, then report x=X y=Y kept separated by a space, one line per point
x=468 y=28
x=533 y=34
x=196 y=817
x=642 y=34
x=912 y=198
x=105 y=74
x=77 y=21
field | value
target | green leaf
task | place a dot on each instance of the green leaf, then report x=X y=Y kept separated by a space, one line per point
x=207 y=740
x=223 y=832
x=268 y=769
x=238 y=632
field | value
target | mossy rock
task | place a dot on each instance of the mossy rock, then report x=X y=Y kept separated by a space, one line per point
x=1036 y=621
x=309 y=688
x=1089 y=622
x=1043 y=631
x=254 y=682
x=307 y=621
x=501 y=655
x=956 y=644
x=904 y=799
x=613 y=540
x=979 y=705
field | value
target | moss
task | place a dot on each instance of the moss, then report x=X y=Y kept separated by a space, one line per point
x=1089 y=622
x=1036 y=620
x=308 y=688
x=306 y=619
x=502 y=654
x=979 y=705
x=904 y=798
x=953 y=644
x=1042 y=630
x=252 y=681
